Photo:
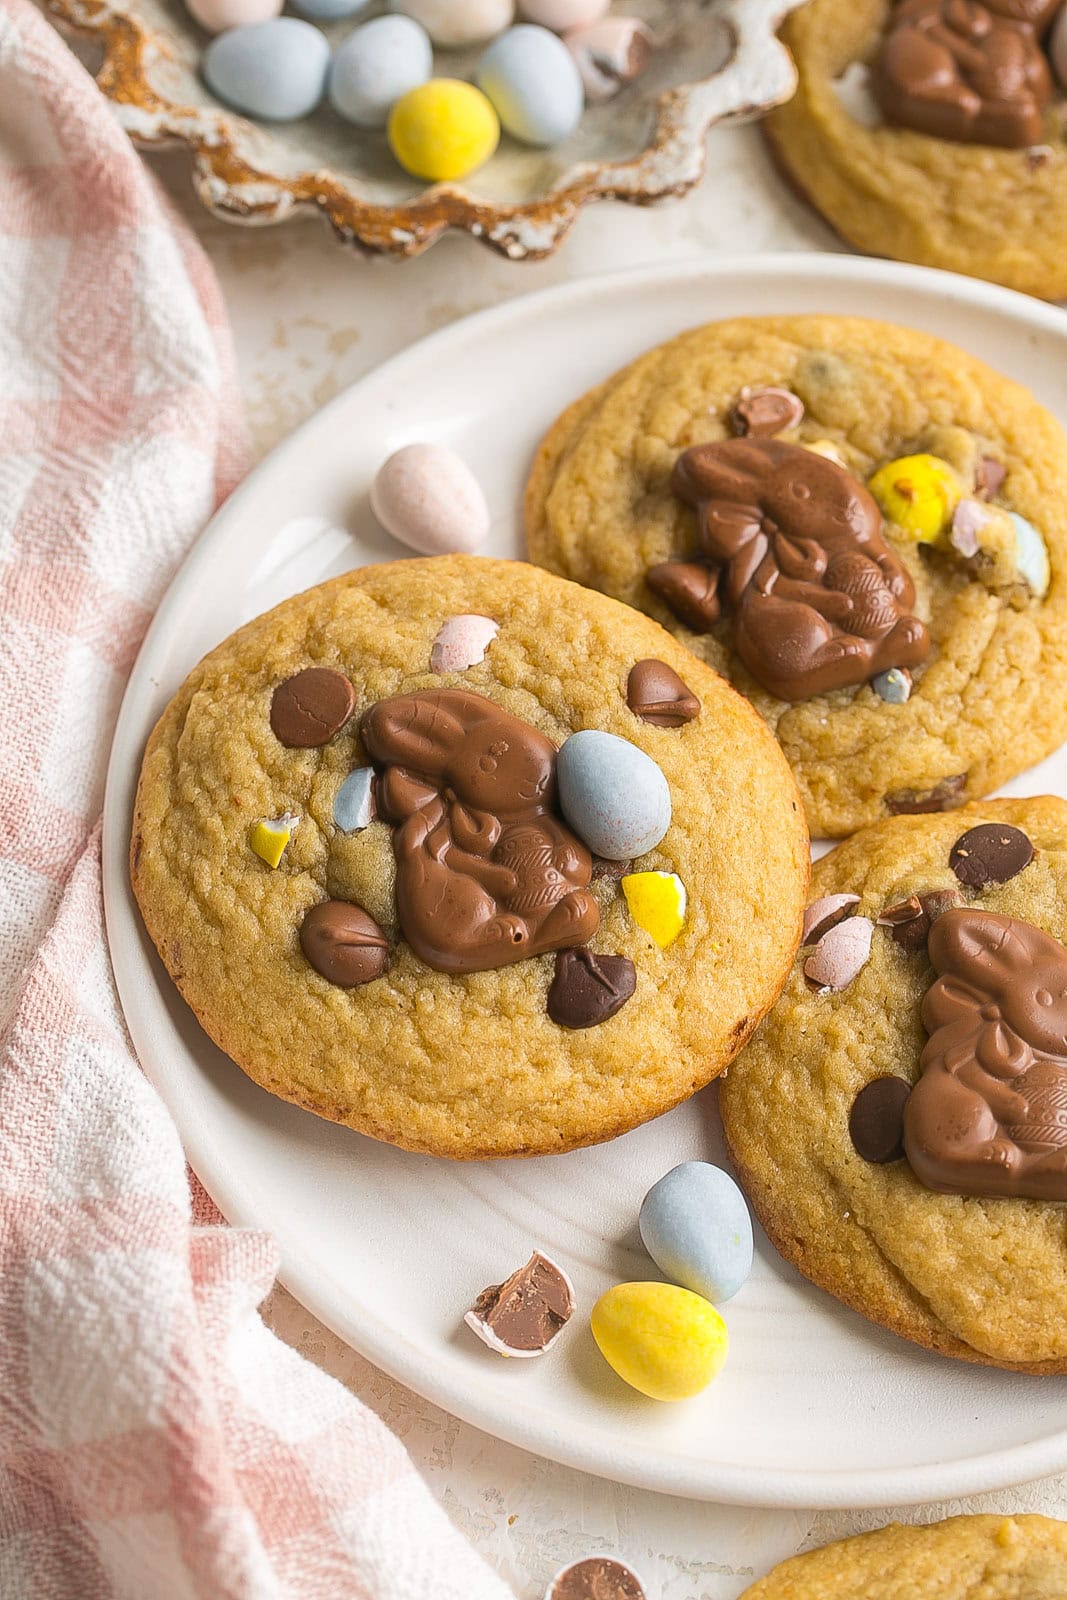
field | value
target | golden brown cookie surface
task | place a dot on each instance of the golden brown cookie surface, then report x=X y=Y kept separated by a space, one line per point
x=601 y=509
x=969 y=1273
x=470 y=1063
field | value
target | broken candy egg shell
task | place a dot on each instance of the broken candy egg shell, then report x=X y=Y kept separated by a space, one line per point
x=827 y=906
x=917 y=494
x=656 y=901
x=841 y=953
x=426 y=496
x=485 y=1333
x=609 y=54
x=353 y=806
x=664 y=1341
x=1031 y=555
x=462 y=642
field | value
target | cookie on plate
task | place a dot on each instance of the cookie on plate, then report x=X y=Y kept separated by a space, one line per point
x=1018 y=1558
x=900 y=1120
x=930 y=131
x=863 y=527
x=386 y=896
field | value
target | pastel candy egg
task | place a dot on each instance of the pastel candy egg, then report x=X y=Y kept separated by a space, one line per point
x=610 y=54
x=329 y=10
x=273 y=70
x=614 y=796
x=563 y=14
x=215 y=16
x=428 y=498
x=353 y=806
x=893 y=686
x=918 y=494
x=696 y=1227
x=443 y=130
x=270 y=836
x=534 y=83
x=375 y=66
x=656 y=901
x=664 y=1341
x=1031 y=555
x=453 y=23
x=462 y=643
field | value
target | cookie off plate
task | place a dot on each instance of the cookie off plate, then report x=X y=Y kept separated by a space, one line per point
x=815 y=1406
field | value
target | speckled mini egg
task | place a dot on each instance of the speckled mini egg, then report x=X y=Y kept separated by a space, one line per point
x=215 y=16
x=696 y=1227
x=427 y=497
x=454 y=23
x=614 y=796
x=534 y=83
x=559 y=15
x=275 y=71
x=329 y=10
x=664 y=1341
x=375 y=66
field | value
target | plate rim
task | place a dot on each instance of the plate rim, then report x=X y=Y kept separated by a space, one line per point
x=526 y=1427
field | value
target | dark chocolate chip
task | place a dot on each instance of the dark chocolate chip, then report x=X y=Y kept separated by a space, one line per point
x=989 y=478
x=310 y=707
x=991 y=853
x=596 y=1578
x=763 y=412
x=656 y=694
x=589 y=989
x=917 y=802
x=690 y=589
x=344 y=944
x=527 y=1310
x=876 y=1121
x=910 y=921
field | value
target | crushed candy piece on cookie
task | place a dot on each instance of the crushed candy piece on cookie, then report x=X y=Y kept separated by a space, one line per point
x=269 y=838
x=917 y=494
x=841 y=954
x=657 y=903
x=461 y=642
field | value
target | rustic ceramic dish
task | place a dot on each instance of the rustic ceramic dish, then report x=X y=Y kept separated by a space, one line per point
x=715 y=59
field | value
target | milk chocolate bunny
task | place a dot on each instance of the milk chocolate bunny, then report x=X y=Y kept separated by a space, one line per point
x=989 y=1114
x=487 y=874
x=819 y=600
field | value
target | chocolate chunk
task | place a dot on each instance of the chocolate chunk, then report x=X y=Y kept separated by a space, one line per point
x=524 y=1314
x=690 y=589
x=762 y=412
x=656 y=694
x=876 y=1121
x=917 y=802
x=989 y=477
x=344 y=944
x=991 y=853
x=588 y=989
x=310 y=707
x=910 y=920
x=596 y=1578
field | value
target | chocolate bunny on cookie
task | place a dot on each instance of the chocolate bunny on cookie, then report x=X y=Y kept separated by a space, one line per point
x=988 y=1116
x=487 y=873
x=819 y=601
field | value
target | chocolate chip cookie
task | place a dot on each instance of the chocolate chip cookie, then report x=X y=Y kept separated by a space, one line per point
x=933 y=131
x=900 y=1120
x=473 y=860
x=863 y=527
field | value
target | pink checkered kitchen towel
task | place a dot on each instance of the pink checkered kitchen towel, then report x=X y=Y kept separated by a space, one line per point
x=156 y=1442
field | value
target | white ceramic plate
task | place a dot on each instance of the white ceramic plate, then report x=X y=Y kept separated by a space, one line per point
x=816 y=1407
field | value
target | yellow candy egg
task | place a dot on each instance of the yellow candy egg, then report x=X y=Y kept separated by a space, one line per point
x=918 y=494
x=657 y=904
x=443 y=130
x=269 y=838
x=667 y=1342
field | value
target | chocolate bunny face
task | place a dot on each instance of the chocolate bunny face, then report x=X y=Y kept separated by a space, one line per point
x=819 y=600
x=1009 y=965
x=486 y=873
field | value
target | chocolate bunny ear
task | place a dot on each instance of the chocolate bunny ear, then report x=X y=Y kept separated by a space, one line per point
x=982 y=947
x=420 y=732
x=733 y=469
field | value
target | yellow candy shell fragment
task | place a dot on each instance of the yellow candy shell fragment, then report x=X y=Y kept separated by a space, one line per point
x=918 y=494
x=664 y=1341
x=269 y=839
x=657 y=904
x=443 y=130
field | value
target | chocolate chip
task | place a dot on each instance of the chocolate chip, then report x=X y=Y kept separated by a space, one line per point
x=917 y=802
x=991 y=853
x=876 y=1121
x=310 y=707
x=690 y=590
x=523 y=1315
x=596 y=1578
x=344 y=944
x=656 y=694
x=910 y=920
x=989 y=477
x=763 y=412
x=589 y=989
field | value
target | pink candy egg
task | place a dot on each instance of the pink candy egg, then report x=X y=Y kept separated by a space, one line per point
x=215 y=16
x=559 y=15
x=428 y=498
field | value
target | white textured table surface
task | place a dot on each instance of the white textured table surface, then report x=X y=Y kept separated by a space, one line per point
x=310 y=318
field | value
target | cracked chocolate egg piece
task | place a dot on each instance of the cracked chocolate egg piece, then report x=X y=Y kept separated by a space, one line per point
x=523 y=1315
x=596 y=1578
x=764 y=412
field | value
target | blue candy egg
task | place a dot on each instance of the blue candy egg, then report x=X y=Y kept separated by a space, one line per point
x=353 y=806
x=614 y=796
x=696 y=1227
x=375 y=66
x=534 y=83
x=330 y=10
x=272 y=70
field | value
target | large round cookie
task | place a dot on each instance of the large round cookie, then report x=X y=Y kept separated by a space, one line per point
x=970 y=1271
x=601 y=509
x=963 y=1558
x=460 y=1063
x=997 y=213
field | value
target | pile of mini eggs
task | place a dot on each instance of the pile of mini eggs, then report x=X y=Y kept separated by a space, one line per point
x=533 y=79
